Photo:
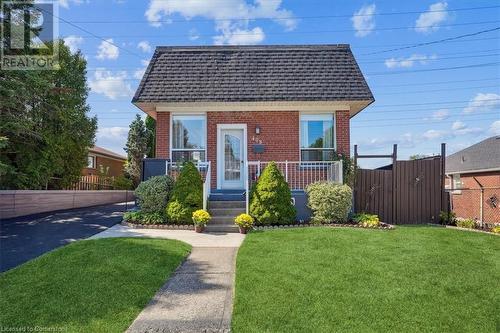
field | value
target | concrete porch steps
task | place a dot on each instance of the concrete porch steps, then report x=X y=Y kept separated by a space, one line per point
x=223 y=214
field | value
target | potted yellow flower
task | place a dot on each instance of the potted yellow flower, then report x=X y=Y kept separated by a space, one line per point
x=200 y=219
x=244 y=222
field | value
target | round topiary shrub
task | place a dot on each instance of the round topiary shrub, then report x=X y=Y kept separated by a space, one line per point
x=154 y=193
x=187 y=195
x=271 y=199
x=330 y=202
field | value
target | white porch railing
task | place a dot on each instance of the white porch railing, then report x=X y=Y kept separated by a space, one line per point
x=300 y=174
x=173 y=169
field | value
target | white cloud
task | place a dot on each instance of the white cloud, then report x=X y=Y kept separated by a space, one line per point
x=434 y=134
x=363 y=20
x=73 y=42
x=406 y=140
x=233 y=16
x=441 y=114
x=112 y=85
x=495 y=128
x=430 y=20
x=409 y=61
x=483 y=102
x=139 y=73
x=107 y=50
x=65 y=3
x=458 y=125
x=145 y=46
x=112 y=133
x=240 y=37
x=193 y=34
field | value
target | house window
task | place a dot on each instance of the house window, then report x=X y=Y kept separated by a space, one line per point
x=188 y=138
x=457 y=182
x=91 y=162
x=317 y=137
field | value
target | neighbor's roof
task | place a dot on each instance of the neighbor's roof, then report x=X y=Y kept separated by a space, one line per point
x=482 y=156
x=105 y=152
x=253 y=74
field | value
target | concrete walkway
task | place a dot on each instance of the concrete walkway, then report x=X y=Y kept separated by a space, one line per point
x=199 y=295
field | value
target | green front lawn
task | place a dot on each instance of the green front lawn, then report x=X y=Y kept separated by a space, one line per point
x=412 y=279
x=88 y=286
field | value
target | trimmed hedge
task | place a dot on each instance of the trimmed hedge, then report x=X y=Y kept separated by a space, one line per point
x=154 y=193
x=330 y=202
x=187 y=195
x=271 y=199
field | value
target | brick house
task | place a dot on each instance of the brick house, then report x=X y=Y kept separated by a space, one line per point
x=235 y=106
x=110 y=163
x=473 y=177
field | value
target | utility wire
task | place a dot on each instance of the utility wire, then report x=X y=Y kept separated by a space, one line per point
x=291 y=17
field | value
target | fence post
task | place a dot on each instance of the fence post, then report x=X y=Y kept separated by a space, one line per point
x=341 y=172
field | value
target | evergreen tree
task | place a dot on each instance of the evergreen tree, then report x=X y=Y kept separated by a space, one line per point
x=43 y=116
x=136 y=148
x=151 y=128
x=271 y=199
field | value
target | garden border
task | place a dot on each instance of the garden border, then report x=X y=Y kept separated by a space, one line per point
x=463 y=229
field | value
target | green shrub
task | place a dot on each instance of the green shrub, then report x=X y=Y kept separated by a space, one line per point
x=496 y=229
x=140 y=217
x=448 y=218
x=187 y=195
x=466 y=223
x=122 y=183
x=271 y=199
x=329 y=202
x=367 y=220
x=153 y=194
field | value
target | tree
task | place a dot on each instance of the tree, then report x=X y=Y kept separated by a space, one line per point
x=151 y=128
x=136 y=148
x=44 y=119
x=271 y=199
x=187 y=195
x=418 y=156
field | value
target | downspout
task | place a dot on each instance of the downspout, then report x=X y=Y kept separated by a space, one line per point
x=481 y=203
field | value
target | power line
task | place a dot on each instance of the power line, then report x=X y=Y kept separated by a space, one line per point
x=436 y=82
x=434 y=103
x=435 y=69
x=435 y=42
x=436 y=90
x=417 y=123
x=319 y=31
x=286 y=17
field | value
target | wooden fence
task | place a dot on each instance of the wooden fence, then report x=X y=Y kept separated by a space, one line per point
x=408 y=192
x=85 y=183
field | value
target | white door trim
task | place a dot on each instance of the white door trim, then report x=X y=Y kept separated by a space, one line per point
x=220 y=167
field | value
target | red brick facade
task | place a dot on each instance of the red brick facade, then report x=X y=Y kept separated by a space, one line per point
x=279 y=133
x=114 y=166
x=467 y=202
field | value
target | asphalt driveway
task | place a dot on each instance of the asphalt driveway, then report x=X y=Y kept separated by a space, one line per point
x=25 y=238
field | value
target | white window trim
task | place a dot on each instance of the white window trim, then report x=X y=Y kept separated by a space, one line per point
x=94 y=158
x=317 y=116
x=194 y=115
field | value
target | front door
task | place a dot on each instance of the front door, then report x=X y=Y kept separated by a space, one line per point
x=232 y=158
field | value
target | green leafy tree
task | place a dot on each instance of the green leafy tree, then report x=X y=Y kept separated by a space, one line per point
x=151 y=129
x=187 y=195
x=271 y=198
x=136 y=149
x=43 y=115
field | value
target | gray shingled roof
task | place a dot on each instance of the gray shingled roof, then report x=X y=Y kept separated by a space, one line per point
x=253 y=74
x=481 y=156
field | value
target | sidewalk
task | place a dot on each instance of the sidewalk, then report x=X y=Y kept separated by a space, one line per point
x=199 y=295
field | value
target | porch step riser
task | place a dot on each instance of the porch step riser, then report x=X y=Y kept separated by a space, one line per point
x=227 y=197
x=221 y=228
x=226 y=212
x=229 y=220
x=226 y=204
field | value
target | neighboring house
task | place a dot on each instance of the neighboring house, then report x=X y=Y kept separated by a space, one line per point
x=104 y=162
x=473 y=176
x=232 y=105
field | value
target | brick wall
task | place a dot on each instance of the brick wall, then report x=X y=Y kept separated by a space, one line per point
x=279 y=132
x=162 y=132
x=342 y=130
x=467 y=202
x=115 y=167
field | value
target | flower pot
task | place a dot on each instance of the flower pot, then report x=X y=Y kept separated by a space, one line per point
x=199 y=228
x=243 y=230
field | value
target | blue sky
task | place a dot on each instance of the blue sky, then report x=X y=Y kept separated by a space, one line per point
x=420 y=102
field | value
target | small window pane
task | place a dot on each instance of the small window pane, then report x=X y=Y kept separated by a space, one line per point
x=188 y=132
x=317 y=133
x=188 y=155
x=317 y=155
x=91 y=162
